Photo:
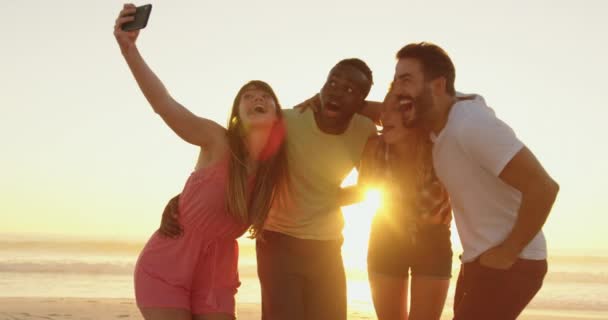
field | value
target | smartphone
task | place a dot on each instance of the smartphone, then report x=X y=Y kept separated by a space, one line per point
x=141 y=18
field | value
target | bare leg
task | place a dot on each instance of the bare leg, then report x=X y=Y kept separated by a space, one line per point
x=389 y=295
x=428 y=297
x=165 y=314
x=213 y=316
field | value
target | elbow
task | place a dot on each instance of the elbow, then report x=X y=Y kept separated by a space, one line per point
x=550 y=189
x=553 y=188
x=544 y=190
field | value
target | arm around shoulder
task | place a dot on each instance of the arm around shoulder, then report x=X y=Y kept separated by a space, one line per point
x=372 y=111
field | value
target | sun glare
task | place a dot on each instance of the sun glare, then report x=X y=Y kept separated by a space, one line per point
x=357 y=225
x=373 y=198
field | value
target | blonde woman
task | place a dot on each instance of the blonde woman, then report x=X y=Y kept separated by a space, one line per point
x=411 y=233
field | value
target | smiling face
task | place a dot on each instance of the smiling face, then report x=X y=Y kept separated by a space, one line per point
x=414 y=93
x=342 y=95
x=257 y=108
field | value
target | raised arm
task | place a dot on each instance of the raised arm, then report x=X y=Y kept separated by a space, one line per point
x=191 y=128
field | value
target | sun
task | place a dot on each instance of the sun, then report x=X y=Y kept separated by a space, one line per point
x=357 y=225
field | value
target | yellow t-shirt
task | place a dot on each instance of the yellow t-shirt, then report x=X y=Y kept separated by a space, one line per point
x=318 y=163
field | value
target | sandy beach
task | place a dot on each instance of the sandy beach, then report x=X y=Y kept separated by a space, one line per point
x=89 y=309
x=84 y=309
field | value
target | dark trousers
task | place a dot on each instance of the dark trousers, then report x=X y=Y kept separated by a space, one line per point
x=301 y=279
x=487 y=293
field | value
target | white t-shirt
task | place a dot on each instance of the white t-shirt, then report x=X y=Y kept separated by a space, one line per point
x=469 y=154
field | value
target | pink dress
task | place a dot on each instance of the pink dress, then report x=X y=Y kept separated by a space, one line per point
x=199 y=270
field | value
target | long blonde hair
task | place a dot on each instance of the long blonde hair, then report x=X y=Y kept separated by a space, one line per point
x=418 y=165
x=252 y=205
x=413 y=175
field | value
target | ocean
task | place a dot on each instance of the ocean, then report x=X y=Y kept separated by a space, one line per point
x=575 y=284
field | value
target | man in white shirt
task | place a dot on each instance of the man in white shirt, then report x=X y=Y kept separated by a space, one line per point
x=501 y=195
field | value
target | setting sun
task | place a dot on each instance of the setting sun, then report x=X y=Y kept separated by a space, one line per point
x=357 y=224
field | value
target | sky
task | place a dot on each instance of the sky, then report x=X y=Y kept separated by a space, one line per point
x=83 y=154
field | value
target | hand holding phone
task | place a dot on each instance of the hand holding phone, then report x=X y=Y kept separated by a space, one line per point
x=130 y=20
x=140 y=20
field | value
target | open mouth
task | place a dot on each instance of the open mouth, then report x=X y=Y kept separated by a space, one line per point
x=406 y=106
x=259 y=109
x=332 y=106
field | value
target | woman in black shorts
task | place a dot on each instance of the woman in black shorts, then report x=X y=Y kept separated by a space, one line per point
x=411 y=232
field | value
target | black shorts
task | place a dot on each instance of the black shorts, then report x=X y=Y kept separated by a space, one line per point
x=391 y=252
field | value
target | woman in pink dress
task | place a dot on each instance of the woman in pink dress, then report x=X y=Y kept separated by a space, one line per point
x=239 y=172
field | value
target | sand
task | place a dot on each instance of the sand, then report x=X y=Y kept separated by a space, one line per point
x=95 y=308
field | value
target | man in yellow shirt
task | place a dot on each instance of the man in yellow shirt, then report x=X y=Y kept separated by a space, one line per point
x=299 y=259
